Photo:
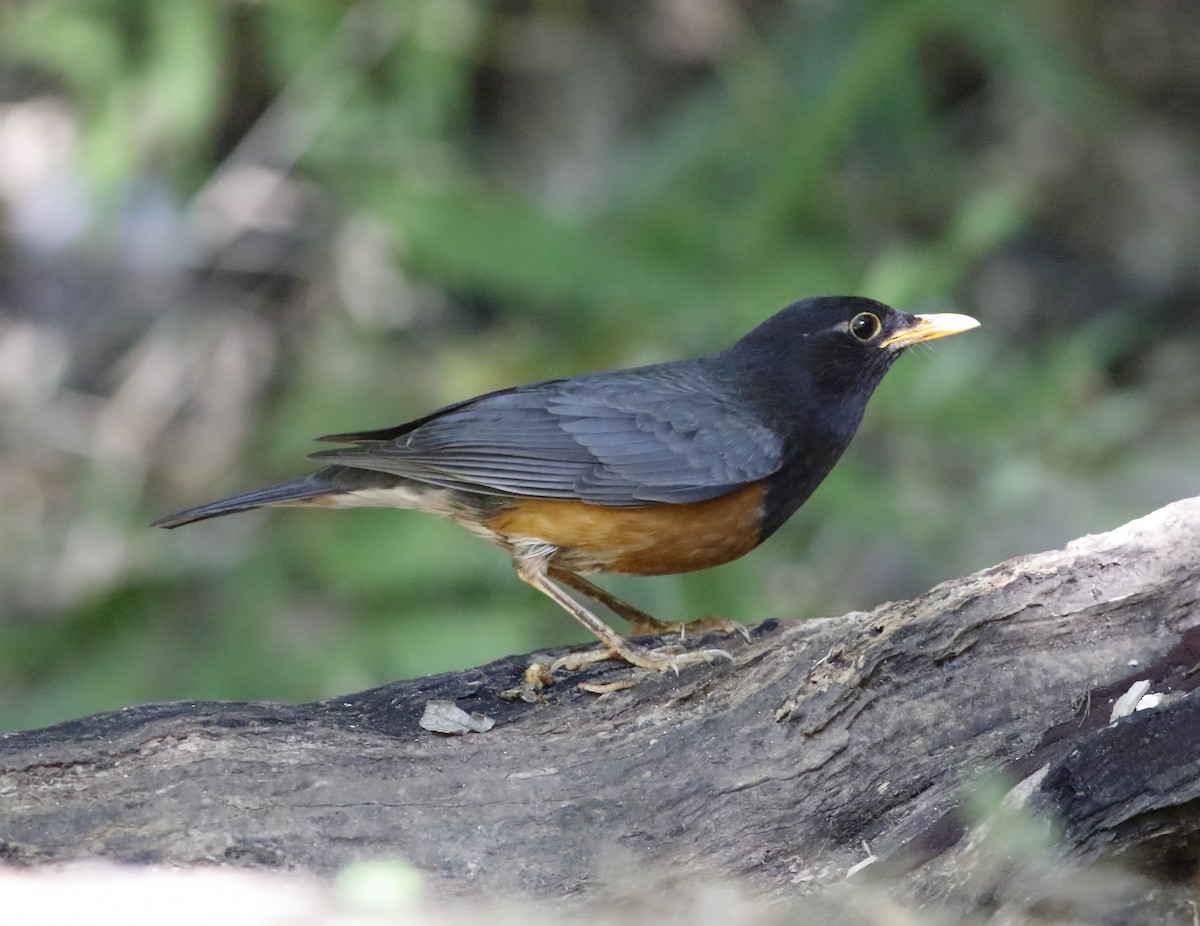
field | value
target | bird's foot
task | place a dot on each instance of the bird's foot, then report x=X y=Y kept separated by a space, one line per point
x=713 y=623
x=659 y=660
x=648 y=626
x=603 y=688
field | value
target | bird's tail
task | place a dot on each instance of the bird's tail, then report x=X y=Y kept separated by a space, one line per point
x=313 y=486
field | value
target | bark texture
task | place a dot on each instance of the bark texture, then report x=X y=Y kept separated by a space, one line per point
x=821 y=739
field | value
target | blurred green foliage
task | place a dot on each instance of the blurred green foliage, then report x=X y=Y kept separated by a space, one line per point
x=552 y=195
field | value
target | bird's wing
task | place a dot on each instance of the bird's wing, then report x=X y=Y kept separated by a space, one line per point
x=638 y=437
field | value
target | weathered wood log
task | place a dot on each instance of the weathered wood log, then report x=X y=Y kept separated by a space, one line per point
x=822 y=737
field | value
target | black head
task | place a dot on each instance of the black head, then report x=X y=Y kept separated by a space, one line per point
x=841 y=344
x=811 y=368
x=808 y=372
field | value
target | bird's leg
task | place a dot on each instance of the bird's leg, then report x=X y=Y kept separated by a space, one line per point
x=531 y=562
x=643 y=624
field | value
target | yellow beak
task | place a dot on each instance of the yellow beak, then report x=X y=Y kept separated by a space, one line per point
x=929 y=327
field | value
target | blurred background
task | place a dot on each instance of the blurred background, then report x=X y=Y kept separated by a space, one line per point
x=226 y=227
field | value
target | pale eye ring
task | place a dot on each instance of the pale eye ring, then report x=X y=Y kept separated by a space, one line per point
x=865 y=326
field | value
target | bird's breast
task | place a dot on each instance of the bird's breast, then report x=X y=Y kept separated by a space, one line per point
x=654 y=540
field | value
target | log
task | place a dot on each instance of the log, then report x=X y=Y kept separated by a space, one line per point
x=843 y=745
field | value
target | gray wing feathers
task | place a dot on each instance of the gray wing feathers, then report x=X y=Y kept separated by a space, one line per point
x=646 y=436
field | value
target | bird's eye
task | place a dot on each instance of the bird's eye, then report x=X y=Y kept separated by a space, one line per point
x=865 y=326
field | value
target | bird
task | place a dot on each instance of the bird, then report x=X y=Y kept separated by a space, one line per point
x=652 y=470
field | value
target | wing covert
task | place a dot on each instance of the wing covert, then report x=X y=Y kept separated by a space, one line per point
x=633 y=438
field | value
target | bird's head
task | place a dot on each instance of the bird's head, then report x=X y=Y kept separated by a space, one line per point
x=841 y=341
x=822 y=357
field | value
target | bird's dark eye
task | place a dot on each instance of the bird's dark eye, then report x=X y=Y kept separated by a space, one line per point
x=865 y=326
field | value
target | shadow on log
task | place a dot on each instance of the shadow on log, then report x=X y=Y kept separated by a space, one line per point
x=822 y=738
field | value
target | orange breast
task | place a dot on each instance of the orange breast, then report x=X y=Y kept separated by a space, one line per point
x=656 y=540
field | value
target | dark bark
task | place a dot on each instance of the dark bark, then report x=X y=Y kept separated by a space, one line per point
x=820 y=737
